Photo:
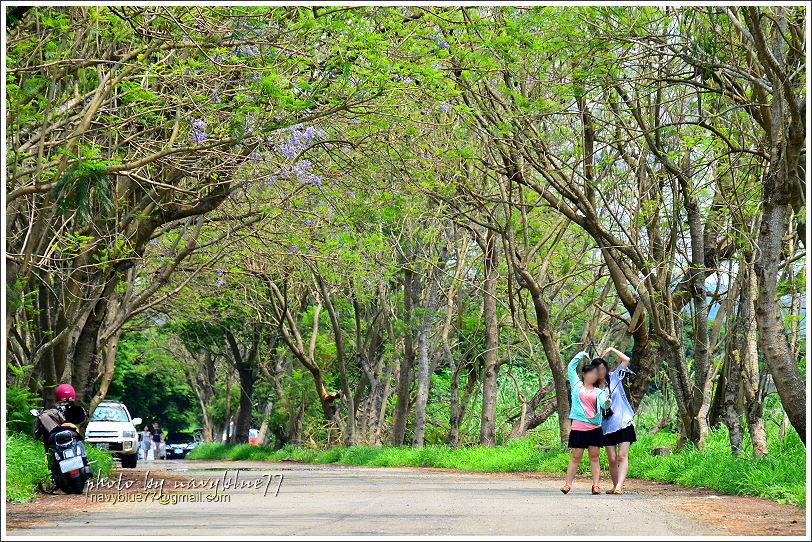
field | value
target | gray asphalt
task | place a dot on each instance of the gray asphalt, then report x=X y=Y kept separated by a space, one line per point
x=331 y=500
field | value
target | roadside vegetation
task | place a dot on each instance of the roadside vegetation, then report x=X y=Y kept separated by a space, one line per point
x=27 y=470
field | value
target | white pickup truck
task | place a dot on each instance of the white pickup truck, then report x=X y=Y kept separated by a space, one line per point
x=112 y=428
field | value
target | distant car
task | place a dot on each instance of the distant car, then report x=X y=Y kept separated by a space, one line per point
x=180 y=444
x=112 y=428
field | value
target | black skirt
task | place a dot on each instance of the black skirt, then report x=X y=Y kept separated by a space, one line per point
x=585 y=439
x=626 y=434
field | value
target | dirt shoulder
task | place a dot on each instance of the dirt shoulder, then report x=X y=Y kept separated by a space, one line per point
x=47 y=507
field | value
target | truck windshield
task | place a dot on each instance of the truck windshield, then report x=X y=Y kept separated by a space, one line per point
x=109 y=414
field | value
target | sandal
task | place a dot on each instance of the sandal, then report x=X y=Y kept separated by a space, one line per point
x=596 y=490
x=565 y=489
x=615 y=492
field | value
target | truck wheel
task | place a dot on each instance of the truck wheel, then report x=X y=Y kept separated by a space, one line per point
x=129 y=461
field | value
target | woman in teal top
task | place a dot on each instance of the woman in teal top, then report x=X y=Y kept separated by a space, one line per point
x=585 y=430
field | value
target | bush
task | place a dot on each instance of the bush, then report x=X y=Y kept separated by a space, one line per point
x=19 y=402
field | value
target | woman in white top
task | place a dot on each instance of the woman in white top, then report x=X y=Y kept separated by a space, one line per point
x=146 y=441
x=618 y=428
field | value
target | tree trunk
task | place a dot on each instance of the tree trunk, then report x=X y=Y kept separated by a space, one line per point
x=716 y=413
x=85 y=354
x=406 y=363
x=244 y=363
x=703 y=366
x=674 y=355
x=530 y=418
x=424 y=365
x=453 y=437
x=490 y=369
x=732 y=413
x=263 y=436
x=108 y=351
x=245 y=414
x=773 y=336
x=747 y=345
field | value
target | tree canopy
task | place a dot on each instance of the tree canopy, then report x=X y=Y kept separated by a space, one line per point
x=397 y=224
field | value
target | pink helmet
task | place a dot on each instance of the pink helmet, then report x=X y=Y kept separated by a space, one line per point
x=65 y=392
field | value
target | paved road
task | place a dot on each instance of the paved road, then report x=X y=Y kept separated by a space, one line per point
x=331 y=500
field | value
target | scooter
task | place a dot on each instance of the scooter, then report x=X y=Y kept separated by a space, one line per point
x=65 y=451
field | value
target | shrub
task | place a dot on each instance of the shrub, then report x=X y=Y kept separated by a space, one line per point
x=19 y=401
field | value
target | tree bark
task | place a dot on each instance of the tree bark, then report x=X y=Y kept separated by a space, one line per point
x=424 y=364
x=246 y=370
x=406 y=361
x=747 y=346
x=490 y=367
x=772 y=333
x=530 y=418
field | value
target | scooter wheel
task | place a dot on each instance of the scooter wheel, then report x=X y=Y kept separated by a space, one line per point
x=75 y=485
x=61 y=482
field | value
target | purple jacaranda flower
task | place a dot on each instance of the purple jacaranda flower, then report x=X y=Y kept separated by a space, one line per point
x=199 y=130
x=313 y=179
x=407 y=80
x=160 y=321
x=250 y=50
x=293 y=249
x=220 y=282
x=294 y=139
x=301 y=166
x=444 y=106
x=308 y=221
x=250 y=121
x=287 y=149
x=154 y=242
x=220 y=272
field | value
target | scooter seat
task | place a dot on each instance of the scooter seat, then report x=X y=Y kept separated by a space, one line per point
x=63 y=438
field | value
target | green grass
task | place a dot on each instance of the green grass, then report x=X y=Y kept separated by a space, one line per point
x=26 y=466
x=781 y=476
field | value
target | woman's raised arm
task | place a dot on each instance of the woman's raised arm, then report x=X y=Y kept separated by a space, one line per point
x=572 y=367
x=624 y=359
